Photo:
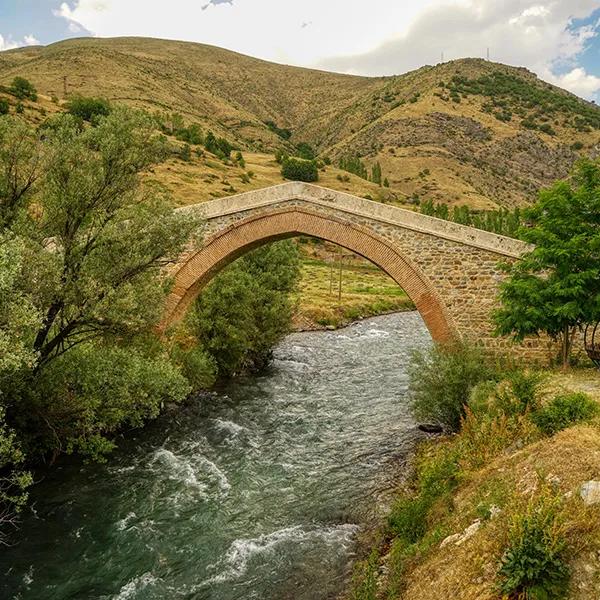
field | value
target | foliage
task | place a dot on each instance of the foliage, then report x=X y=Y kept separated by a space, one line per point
x=502 y=221
x=534 y=563
x=376 y=173
x=519 y=94
x=21 y=160
x=364 y=578
x=564 y=411
x=436 y=475
x=81 y=250
x=298 y=169
x=441 y=381
x=19 y=318
x=96 y=389
x=354 y=165
x=196 y=364
x=285 y=134
x=23 y=89
x=247 y=309
x=88 y=109
x=218 y=146
x=555 y=288
x=191 y=134
x=305 y=151
x=4 y=106
x=13 y=480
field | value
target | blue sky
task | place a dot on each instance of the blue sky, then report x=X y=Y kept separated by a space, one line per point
x=557 y=39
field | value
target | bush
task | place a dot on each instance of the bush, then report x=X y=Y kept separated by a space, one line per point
x=247 y=308
x=305 y=151
x=4 y=106
x=533 y=566
x=441 y=381
x=297 y=169
x=88 y=109
x=23 y=89
x=92 y=391
x=564 y=411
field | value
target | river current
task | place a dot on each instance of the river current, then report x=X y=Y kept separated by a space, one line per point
x=257 y=491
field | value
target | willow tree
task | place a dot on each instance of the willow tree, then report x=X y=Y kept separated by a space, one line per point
x=555 y=288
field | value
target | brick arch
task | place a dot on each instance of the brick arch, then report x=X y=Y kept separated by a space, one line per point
x=244 y=235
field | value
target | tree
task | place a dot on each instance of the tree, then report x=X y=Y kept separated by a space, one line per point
x=555 y=288
x=88 y=109
x=376 y=173
x=110 y=237
x=23 y=89
x=297 y=169
x=4 y=106
x=247 y=308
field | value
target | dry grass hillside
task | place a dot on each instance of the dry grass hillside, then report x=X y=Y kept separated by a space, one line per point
x=463 y=132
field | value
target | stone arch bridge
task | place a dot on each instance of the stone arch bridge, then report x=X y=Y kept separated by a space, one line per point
x=450 y=271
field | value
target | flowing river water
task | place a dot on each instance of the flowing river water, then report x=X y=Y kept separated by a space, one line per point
x=257 y=491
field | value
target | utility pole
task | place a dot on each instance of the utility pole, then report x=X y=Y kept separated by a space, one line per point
x=65 y=86
x=442 y=56
x=488 y=54
x=332 y=259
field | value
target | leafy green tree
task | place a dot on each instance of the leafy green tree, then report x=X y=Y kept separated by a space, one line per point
x=305 y=151
x=298 y=169
x=4 y=106
x=555 y=288
x=109 y=236
x=376 y=173
x=21 y=162
x=88 y=109
x=248 y=308
x=23 y=89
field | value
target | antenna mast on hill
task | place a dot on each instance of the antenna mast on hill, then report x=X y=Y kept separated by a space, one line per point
x=488 y=54
x=442 y=56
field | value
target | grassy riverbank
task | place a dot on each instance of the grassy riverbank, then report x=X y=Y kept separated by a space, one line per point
x=327 y=298
x=495 y=510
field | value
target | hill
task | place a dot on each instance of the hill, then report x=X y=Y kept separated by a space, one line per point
x=463 y=132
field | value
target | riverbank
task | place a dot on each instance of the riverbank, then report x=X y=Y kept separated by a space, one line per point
x=338 y=288
x=513 y=490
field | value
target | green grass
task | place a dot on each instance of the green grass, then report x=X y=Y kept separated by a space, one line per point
x=366 y=290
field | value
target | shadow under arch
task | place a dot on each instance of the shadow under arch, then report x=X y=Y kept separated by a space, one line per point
x=230 y=243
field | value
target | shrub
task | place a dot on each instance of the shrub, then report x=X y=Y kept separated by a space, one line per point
x=297 y=169
x=564 y=411
x=305 y=151
x=437 y=477
x=88 y=109
x=441 y=381
x=533 y=566
x=23 y=89
x=20 y=108
x=4 y=106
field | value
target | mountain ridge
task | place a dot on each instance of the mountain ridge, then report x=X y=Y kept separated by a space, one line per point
x=462 y=132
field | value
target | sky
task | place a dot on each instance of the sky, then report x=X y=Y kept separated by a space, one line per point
x=557 y=39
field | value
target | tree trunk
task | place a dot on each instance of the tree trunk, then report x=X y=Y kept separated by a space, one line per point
x=566 y=347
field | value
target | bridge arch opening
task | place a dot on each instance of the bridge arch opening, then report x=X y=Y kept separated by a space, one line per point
x=228 y=244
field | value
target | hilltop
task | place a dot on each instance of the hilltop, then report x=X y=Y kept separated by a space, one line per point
x=463 y=132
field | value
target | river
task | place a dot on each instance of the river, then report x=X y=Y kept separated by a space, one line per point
x=256 y=491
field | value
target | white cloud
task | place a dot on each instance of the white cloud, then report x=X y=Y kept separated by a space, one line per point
x=576 y=80
x=533 y=34
x=8 y=43
x=30 y=40
x=372 y=38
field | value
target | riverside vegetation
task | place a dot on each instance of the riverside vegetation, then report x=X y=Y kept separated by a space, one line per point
x=81 y=249
x=498 y=506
